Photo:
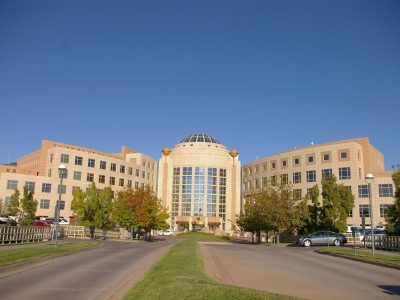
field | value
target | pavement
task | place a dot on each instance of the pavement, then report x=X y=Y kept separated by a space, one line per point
x=298 y=271
x=102 y=273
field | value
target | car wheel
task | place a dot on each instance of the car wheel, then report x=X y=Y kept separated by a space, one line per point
x=307 y=243
x=337 y=242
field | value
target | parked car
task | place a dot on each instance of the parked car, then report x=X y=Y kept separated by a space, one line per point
x=3 y=219
x=377 y=233
x=168 y=232
x=323 y=238
x=41 y=224
x=63 y=221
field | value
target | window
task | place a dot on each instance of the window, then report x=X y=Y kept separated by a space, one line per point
x=112 y=180
x=136 y=185
x=62 y=189
x=311 y=176
x=363 y=191
x=284 y=179
x=386 y=190
x=383 y=209
x=130 y=171
x=143 y=174
x=326 y=172
x=344 y=173
x=343 y=154
x=364 y=210
x=273 y=180
x=103 y=165
x=90 y=177
x=91 y=163
x=350 y=213
x=49 y=173
x=46 y=187
x=137 y=172
x=297 y=161
x=326 y=157
x=63 y=173
x=51 y=158
x=62 y=205
x=222 y=172
x=113 y=167
x=121 y=182
x=30 y=185
x=122 y=169
x=309 y=192
x=64 y=158
x=102 y=179
x=297 y=194
x=78 y=160
x=77 y=175
x=129 y=183
x=284 y=163
x=297 y=177
x=310 y=159
x=12 y=184
x=264 y=181
x=44 y=203
x=273 y=165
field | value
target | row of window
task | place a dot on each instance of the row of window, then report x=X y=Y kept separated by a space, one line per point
x=297 y=160
x=46 y=187
x=364 y=210
x=91 y=163
x=77 y=174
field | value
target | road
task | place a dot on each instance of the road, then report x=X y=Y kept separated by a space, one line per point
x=298 y=272
x=102 y=273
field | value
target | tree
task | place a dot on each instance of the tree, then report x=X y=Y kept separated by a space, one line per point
x=92 y=207
x=13 y=206
x=393 y=213
x=337 y=200
x=312 y=213
x=140 y=209
x=28 y=208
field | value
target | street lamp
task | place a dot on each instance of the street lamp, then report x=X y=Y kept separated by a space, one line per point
x=369 y=179
x=62 y=170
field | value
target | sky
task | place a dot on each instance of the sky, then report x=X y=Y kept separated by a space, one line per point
x=260 y=76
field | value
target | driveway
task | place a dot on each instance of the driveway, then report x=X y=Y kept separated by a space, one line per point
x=102 y=273
x=298 y=272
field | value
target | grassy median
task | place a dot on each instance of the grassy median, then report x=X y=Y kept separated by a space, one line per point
x=179 y=275
x=382 y=257
x=13 y=256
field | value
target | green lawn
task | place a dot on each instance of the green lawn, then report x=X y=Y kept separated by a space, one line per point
x=179 y=275
x=12 y=256
x=390 y=258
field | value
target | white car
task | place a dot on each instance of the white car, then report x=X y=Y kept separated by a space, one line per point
x=170 y=233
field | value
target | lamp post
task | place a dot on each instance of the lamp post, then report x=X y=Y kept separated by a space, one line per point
x=62 y=170
x=369 y=179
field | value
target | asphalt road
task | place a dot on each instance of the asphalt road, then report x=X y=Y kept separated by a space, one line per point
x=102 y=273
x=299 y=272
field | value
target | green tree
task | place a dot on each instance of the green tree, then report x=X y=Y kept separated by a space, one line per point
x=312 y=213
x=28 y=208
x=393 y=213
x=12 y=208
x=337 y=200
x=124 y=210
x=102 y=217
x=86 y=205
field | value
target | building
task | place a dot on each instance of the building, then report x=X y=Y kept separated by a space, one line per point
x=350 y=160
x=199 y=183
x=39 y=172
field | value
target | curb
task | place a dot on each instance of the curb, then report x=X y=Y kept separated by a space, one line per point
x=360 y=260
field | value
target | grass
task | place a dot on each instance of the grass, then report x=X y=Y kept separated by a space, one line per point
x=13 y=256
x=389 y=258
x=179 y=275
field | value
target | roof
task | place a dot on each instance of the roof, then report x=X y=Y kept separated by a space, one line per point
x=200 y=138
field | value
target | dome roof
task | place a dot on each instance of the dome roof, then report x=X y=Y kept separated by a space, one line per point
x=200 y=137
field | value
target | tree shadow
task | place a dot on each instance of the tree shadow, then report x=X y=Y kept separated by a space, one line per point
x=390 y=289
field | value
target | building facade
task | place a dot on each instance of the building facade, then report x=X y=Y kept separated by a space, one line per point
x=199 y=183
x=39 y=172
x=349 y=160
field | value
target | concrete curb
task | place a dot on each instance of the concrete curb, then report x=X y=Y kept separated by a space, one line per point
x=360 y=260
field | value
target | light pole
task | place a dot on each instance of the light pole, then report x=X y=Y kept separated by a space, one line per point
x=369 y=179
x=62 y=170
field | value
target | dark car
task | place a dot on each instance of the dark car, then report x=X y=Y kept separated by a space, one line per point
x=41 y=224
x=322 y=238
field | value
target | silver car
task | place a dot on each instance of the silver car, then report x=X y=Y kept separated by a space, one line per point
x=323 y=238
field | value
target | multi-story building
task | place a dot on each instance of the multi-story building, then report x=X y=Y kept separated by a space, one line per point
x=39 y=172
x=349 y=160
x=199 y=183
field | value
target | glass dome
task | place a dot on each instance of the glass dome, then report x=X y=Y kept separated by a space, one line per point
x=200 y=137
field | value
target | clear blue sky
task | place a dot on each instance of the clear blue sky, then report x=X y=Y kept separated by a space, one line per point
x=261 y=76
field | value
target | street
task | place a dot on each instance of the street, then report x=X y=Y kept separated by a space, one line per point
x=102 y=273
x=298 y=272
